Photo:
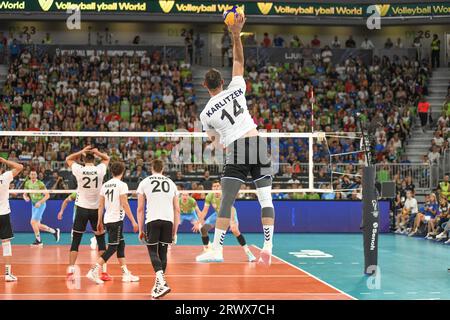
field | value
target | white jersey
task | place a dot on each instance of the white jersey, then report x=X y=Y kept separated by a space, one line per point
x=5 y=181
x=159 y=192
x=112 y=190
x=411 y=204
x=89 y=180
x=227 y=113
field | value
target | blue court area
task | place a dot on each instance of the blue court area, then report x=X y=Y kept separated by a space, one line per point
x=410 y=268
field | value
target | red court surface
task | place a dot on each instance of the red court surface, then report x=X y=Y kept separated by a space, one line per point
x=41 y=273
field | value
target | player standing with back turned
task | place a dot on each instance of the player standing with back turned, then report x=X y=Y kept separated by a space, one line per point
x=226 y=117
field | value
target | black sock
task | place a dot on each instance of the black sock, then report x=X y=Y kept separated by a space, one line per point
x=205 y=240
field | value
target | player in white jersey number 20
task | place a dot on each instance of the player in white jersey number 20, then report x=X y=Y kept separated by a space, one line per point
x=228 y=123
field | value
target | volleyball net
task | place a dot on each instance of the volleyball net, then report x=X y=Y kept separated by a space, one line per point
x=302 y=162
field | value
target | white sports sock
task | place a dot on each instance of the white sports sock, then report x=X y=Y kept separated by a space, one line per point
x=104 y=268
x=95 y=268
x=71 y=269
x=7 y=269
x=50 y=230
x=268 y=235
x=160 y=277
x=124 y=269
x=219 y=237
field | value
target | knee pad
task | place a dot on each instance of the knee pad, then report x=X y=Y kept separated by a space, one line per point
x=265 y=197
x=101 y=243
x=241 y=240
x=76 y=240
x=121 y=249
x=7 y=250
x=230 y=188
x=112 y=248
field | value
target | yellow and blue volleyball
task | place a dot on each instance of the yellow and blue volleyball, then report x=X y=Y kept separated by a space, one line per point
x=229 y=16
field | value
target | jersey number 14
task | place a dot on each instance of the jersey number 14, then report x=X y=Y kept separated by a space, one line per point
x=237 y=110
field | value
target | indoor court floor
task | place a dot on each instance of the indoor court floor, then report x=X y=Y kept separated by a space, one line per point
x=305 y=266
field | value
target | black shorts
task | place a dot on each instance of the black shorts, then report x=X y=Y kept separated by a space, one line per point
x=82 y=217
x=115 y=232
x=159 y=231
x=248 y=155
x=6 y=231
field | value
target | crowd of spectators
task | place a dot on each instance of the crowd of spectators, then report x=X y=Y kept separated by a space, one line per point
x=144 y=93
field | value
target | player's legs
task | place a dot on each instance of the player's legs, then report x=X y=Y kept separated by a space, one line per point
x=79 y=227
x=6 y=234
x=101 y=242
x=263 y=190
x=234 y=227
x=127 y=276
x=36 y=217
x=204 y=230
x=230 y=188
x=157 y=250
x=56 y=232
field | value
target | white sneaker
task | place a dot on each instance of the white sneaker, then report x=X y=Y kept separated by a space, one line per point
x=10 y=278
x=266 y=256
x=93 y=243
x=213 y=255
x=93 y=276
x=447 y=242
x=250 y=256
x=160 y=291
x=128 y=277
x=411 y=234
x=441 y=235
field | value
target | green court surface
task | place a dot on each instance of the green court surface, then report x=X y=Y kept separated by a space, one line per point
x=410 y=268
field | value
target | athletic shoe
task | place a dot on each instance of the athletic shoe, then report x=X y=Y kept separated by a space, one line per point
x=441 y=235
x=70 y=276
x=10 y=278
x=250 y=256
x=93 y=276
x=105 y=276
x=213 y=255
x=93 y=243
x=128 y=277
x=37 y=243
x=160 y=291
x=265 y=256
x=57 y=234
x=207 y=248
x=447 y=242
x=412 y=234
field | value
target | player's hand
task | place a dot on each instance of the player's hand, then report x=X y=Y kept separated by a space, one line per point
x=37 y=205
x=100 y=228
x=236 y=28
x=135 y=227
x=2 y=160
x=174 y=239
x=60 y=215
x=196 y=227
x=26 y=198
x=142 y=237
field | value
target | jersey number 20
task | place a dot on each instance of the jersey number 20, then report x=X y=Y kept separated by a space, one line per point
x=158 y=185
x=237 y=110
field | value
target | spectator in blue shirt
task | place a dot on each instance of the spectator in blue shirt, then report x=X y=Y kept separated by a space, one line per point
x=278 y=41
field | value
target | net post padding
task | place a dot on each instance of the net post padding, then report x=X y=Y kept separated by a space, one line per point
x=370 y=220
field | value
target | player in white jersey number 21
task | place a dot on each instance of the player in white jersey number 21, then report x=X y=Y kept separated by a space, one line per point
x=228 y=123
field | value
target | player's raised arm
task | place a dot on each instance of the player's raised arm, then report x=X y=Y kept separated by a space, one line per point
x=238 y=50
x=16 y=168
x=103 y=156
x=70 y=160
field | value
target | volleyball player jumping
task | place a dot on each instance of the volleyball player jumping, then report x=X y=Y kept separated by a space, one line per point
x=226 y=117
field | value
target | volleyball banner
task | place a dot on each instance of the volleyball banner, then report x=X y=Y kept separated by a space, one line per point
x=276 y=8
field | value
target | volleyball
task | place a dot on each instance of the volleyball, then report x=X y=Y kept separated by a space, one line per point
x=229 y=16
